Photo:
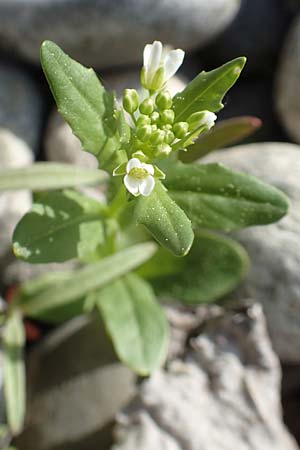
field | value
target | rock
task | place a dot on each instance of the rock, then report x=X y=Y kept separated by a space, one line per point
x=13 y=204
x=219 y=397
x=287 y=94
x=274 y=249
x=254 y=97
x=102 y=33
x=75 y=388
x=257 y=33
x=21 y=106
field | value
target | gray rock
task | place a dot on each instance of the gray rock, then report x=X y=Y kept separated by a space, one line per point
x=75 y=388
x=287 y=94
x=110 y=33
x=13 y=204
x=21 y=106
x=274 y=249
x=219 y=397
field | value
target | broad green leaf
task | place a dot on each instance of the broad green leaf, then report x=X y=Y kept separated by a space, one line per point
x=55 y=228
x=207 y=90
x=14 y=371
x=135 y=322
x=162 y=264
x=48 y=281
x=42 y=176
x=84 y=104
x=213 y=268
x=87 y=279
x=227 y=132
x=165 y=221
x=214 y=196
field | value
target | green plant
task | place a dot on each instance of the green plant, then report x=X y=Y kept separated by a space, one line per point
x=146 y=151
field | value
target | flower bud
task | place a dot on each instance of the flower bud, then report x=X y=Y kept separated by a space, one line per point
x=164 y=100
x=155 y=117
x=167 y=116
x=202 y=118
x=147 y=106
x=144 y=132
x=169 y=137
x=157 y=137
x=143 y=120
x=181 y=129
x=130 y=100
x=163 y=150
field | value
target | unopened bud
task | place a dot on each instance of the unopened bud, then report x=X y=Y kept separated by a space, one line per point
x=130 y=100
x=155 y=117
x=164 y=100
x=163 y=150
x=169 y=137
x=202 y=118
x=144 y=132
x=167 y=116
x=157 y=137
x=143 y=120
x=181 y=129
x=147 y=106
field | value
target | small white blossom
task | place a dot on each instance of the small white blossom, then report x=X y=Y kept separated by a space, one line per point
x=208 y=119
x=159 y=66
x=139 y=177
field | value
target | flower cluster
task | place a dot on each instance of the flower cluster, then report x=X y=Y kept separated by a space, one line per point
x=156 y=133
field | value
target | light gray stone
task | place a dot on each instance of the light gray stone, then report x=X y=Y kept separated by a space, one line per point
x=13 y=204
x=223 y=395
x=107 y=33
x=21 y=104
x=287 y=93
x=75 y=388
x=274 y=249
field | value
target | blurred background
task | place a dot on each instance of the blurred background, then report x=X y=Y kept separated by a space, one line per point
x=109 y=35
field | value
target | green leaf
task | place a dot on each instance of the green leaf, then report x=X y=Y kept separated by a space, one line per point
x=224 y=133
x=54 y=229
x=213 y=268
x=207 y=90
x=90 y=277
x=135 y=322
x=165 y=221
x=214 y=196
x=42 y=176
x=84 y=104
x=14 y=371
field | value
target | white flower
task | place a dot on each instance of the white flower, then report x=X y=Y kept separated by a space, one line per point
x=139 y=177
x=159 y=66
x=208 y=119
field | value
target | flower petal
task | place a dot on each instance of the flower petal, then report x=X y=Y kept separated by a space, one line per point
x=132 y=163
x=148 y=167
x=154 y=58
x=147 y=186
x=146 y=54
x=172 y=62
x=132 y=185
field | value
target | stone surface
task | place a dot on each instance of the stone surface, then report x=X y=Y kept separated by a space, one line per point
x=21 y=105
x=75 y=388
x=287 y=93
x=13 y=204
x=274 y=249
x=257 y=33
x=107 y=33
x=218 y=397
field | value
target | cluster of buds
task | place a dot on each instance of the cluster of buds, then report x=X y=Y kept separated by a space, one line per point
x=156 y=133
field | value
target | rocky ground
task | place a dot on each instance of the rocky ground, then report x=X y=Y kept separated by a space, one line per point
x=222 y=388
